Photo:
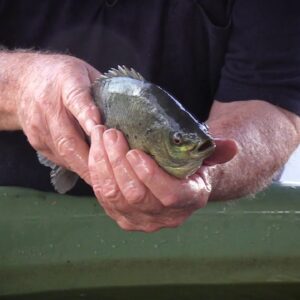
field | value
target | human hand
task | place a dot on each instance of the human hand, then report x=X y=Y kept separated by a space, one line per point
x=54 y=103
x=136 y=192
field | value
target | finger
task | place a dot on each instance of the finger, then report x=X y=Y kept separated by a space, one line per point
x=78 y=100
x=131 y=187
x=69 y=144
x=116 y=149
x=102 y=177
x=168 y=189
x=226 y=150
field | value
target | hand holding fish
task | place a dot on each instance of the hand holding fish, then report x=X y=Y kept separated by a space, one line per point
x=152 y=121
x=55 y=99
x=136 y=192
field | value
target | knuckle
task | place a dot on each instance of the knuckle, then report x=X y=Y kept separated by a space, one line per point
x=134 y=195
x=170 y=200
x=111 y=194
x=98 y=157
x=34 y=124
x=73 y=95
x=65 y=146
x=109 y=190
x=86 y=110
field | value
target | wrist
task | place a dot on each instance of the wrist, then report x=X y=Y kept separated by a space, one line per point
x=10 y=73
x=22 y=73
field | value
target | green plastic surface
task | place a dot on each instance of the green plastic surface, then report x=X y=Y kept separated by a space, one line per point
x=60 y=247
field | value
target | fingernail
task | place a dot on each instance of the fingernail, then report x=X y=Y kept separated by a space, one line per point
x=89 y=124
x=110 y=136
x=134 y=157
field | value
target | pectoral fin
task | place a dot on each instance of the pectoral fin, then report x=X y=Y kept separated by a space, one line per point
x=63 y=180
x=45 y=161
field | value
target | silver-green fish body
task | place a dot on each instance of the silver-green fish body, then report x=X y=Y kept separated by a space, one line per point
x=152 y=120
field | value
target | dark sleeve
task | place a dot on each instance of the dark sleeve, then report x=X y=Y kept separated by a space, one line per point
x=263 y=55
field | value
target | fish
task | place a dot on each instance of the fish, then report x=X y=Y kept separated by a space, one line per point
x=151 y=119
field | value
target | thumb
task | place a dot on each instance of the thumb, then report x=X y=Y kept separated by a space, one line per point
x=78 y=100
x=226 y=150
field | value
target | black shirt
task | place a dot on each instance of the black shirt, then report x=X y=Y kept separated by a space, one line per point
x=197 y=50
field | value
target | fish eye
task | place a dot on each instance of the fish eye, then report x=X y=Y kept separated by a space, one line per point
x=177 y=138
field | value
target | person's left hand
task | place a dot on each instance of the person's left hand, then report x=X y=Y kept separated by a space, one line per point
x=135 y=191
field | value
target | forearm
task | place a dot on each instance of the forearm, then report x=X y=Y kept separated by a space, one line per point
x=266 y=136
x=21 y=71
x=15 y=68
x=10 y=71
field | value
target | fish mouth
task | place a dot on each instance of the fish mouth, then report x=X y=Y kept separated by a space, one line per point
x=197 y=155
x=203 y=150
x=183 y=171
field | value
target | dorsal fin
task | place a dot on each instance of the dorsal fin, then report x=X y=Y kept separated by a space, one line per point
x=122 y=71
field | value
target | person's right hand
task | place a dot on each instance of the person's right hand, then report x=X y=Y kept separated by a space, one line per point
x=54 y=103
x=136 y=192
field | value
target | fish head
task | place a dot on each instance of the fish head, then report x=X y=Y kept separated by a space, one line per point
x=187 y=150
x=180 y=143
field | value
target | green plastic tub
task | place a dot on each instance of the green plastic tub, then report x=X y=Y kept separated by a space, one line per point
x=62 y=247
